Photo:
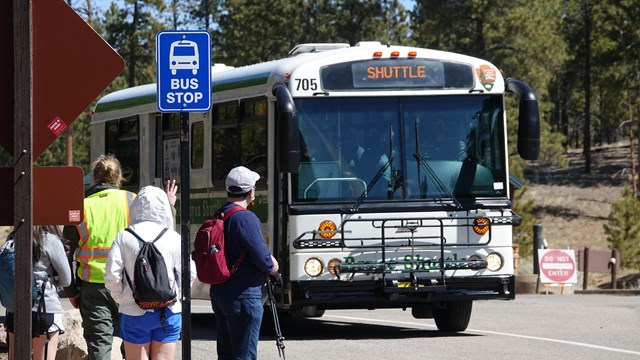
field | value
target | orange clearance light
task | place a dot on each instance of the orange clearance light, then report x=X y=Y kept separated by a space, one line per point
x=395 y=54
x=377 y=54
x=327 y=229
x=413 y=54
x=333 y=267
x=481 y=225
x=287 y=75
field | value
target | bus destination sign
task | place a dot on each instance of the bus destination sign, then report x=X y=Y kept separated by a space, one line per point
x=397 y=74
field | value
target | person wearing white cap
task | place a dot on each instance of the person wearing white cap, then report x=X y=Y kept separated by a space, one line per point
x=237 y=303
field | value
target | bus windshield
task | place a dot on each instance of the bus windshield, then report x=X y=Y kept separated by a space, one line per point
x=400 y=148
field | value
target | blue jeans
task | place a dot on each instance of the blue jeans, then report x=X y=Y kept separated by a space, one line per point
x=238 y=327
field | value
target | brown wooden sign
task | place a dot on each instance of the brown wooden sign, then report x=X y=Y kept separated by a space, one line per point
x=72 y=65
x=58 y=195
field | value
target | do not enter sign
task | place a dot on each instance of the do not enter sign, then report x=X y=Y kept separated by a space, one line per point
x=557 y=266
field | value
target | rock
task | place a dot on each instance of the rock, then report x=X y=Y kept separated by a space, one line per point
x=71 y=344
x=3 y=337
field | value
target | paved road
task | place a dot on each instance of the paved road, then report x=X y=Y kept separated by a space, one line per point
x=577 y=327
x=580 y=327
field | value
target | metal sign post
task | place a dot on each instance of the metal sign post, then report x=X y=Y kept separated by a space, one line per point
x=183 y=65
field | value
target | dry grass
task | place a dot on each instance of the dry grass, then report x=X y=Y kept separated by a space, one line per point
x=573 y=206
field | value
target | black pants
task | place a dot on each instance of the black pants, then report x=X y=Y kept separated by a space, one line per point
x=38 y=326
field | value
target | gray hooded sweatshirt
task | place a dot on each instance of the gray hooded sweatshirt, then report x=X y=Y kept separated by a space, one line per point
x=150 y=212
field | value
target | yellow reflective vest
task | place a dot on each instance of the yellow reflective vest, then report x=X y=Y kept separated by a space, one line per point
x=106 y=213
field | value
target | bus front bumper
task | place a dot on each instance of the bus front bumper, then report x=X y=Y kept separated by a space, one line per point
x=374 y=294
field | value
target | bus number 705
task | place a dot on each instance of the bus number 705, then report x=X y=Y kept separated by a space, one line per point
x=306 y=84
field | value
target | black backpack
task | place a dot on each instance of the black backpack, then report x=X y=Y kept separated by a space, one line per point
x=152 y=289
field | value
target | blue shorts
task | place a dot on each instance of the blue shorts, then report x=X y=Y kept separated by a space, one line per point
x=145 y=328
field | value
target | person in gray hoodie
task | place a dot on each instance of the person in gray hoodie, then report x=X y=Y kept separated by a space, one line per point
x=147 y=333
x=50 y=270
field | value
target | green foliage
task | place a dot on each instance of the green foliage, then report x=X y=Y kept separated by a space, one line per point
x=523 y=234
x=539 y=42
x=131 y=30
x=623 y=229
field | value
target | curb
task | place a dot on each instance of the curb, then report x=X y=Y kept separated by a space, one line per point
x=628 y=292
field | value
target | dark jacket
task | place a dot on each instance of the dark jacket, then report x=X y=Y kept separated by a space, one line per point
x=243 y=231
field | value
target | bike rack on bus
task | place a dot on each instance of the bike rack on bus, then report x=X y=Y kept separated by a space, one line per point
x=410 y=277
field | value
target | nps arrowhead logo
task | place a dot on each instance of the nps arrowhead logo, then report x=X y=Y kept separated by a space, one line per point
x=487 y=76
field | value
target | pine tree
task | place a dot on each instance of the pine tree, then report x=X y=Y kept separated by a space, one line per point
x=623 y=229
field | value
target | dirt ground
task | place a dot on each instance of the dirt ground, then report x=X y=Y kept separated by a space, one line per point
x=572 y=206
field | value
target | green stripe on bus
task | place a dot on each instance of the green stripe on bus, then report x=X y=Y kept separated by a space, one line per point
x=151 y=98
x=240 y=84
x=202 y=209
x=125 y=103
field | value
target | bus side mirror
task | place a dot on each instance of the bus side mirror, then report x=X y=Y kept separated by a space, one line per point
x=287 y=131
x=528 y=119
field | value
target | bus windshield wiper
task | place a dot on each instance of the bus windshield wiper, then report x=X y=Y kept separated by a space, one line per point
x=377 y=177
x=378 y=174
x=423 y=164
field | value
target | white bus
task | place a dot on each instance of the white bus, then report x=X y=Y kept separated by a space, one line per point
x=384 y=171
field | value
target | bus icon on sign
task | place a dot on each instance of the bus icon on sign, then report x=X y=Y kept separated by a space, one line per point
x=183 y=55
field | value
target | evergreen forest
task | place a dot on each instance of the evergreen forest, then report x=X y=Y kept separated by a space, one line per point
x=582 y=57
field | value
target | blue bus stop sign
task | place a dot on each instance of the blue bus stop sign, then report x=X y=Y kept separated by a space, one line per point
x=183 y=66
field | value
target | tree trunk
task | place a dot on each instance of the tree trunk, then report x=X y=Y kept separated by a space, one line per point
x=587 y=88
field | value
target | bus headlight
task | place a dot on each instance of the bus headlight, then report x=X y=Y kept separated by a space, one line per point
x=494 y=261
x=313 y=267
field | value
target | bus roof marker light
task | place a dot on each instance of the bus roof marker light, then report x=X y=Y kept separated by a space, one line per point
x=395 y=54
x=377 y=54
x=327 y=229
x=412 y=54
x=481 y=225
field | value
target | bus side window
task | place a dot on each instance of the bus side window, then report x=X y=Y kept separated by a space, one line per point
x=122 y=140
x=224 y=142
x=253 y=137
x=197 y=145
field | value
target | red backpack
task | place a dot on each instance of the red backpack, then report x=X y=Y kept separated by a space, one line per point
x=209 y=253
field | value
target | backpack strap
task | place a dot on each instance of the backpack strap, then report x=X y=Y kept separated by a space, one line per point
x=42 y=312
x=130 y=230
x=224 y=216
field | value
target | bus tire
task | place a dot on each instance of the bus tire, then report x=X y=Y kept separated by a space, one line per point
x=453 y=316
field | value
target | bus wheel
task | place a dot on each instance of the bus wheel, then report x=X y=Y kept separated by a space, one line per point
x=453 y=316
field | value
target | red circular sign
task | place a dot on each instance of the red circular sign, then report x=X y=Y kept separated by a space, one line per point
x=558 y=266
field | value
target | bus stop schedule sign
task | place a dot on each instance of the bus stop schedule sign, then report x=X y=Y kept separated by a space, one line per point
x=183 y=65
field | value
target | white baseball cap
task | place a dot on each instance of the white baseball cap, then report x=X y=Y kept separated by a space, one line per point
x=241 y=180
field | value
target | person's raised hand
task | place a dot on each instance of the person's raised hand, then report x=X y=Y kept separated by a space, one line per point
x=171 y=189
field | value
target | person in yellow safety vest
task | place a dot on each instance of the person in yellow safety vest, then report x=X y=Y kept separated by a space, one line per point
x=106 y=213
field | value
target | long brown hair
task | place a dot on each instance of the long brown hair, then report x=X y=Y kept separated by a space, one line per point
x=38 y=238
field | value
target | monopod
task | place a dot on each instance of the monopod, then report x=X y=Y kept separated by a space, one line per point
x=272 y=281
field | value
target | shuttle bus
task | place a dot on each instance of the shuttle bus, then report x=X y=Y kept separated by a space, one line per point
x=384 y=171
